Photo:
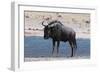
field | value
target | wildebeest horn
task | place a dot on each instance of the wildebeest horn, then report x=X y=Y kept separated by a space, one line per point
x=52 y=25
x=43 y=23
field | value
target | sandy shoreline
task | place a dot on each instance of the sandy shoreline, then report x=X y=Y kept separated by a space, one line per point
x=54 y=58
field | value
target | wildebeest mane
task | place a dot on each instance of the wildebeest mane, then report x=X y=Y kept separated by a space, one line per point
x=55 y=21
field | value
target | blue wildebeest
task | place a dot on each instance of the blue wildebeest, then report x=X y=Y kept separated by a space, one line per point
x=58 y=32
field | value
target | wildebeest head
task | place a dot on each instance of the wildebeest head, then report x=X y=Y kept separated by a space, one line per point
x=47 y=30
x=51 y=28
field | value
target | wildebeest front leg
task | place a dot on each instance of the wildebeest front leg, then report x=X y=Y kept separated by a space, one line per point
x=53 y=46
x=58 y=42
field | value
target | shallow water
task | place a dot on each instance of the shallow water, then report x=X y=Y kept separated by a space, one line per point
x=36 y=47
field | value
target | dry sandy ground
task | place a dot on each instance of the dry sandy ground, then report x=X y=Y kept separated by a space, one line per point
x=77 y=21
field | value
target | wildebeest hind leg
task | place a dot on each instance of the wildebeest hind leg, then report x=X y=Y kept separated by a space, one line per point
x=74 y=45
x=58 y=46
x=71 y=45
x=53 y=46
